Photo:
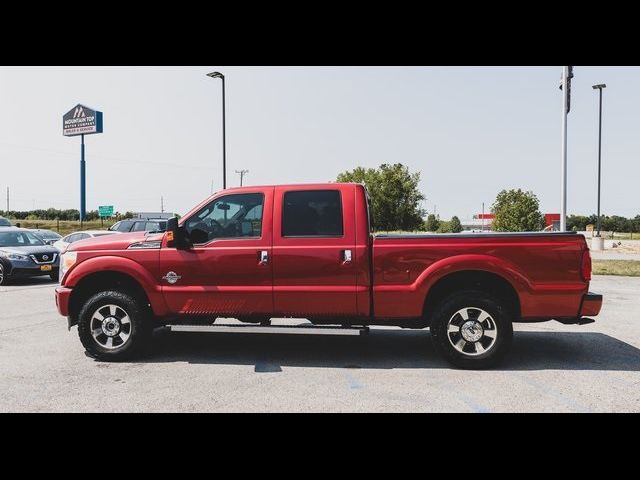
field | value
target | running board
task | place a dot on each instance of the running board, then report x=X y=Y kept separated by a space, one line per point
x=288 y=329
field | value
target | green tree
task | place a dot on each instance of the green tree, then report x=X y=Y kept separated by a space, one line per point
x=444 y=227
x=394 y=194
x=432 y=224
x=455 y=225
x=517 y=211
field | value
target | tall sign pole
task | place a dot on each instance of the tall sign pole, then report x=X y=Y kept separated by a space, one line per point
x=83 y=182
x=565 y=86
x=82 y=120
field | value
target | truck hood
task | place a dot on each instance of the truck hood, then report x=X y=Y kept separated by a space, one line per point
x=114 y=242
x=29 y=250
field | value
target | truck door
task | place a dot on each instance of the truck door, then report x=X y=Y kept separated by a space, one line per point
x=314 y=272
x=228 y=271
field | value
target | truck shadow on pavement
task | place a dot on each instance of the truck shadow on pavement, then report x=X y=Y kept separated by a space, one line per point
x=388 y=349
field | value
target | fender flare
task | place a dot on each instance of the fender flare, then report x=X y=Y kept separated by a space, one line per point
x=126 y=266
x=481 y=263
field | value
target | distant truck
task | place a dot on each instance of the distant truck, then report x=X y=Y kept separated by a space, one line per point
x=307 y=251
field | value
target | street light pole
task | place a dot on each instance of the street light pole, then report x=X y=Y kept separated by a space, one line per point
x=599 y=87
x=224 y=129
x=565 y=97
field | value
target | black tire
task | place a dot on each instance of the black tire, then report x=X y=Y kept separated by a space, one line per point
x=138 y=330
x=472 y=356
x=53 y=277
x=4 y=276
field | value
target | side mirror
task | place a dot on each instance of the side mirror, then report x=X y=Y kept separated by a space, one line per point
x=176 y=235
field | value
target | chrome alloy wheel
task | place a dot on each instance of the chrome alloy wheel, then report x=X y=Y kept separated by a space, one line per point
x=472 y=331
x=110 y=326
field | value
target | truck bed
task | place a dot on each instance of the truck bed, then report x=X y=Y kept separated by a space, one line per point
x=542 y=268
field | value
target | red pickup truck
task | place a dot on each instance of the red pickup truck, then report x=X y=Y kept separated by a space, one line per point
x=307 y=251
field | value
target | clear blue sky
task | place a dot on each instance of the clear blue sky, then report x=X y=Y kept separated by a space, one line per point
x=470 y=131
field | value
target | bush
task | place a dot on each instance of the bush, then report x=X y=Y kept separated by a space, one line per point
x=432 y=224
x=455 y=225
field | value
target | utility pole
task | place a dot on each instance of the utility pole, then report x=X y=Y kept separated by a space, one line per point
x=7 y=200
x=242 y=174
x=483 y=216
x=161 y=204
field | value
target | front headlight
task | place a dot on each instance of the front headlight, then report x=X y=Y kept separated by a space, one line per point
x=16 y=256
x=67 y=260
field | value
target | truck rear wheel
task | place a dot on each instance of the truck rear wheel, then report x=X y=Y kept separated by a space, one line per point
x=472 y=329
x=114 y=326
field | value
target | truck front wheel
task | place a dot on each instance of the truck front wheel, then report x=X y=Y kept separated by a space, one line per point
x=472 y=329
x=114 y=326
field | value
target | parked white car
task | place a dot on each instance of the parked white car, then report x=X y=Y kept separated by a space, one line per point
x=64 y=242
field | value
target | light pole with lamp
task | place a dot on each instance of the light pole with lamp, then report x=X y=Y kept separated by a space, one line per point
x=597 y=241
x=224 y=133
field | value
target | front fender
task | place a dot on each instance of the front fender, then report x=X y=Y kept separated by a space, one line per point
x=113 y=263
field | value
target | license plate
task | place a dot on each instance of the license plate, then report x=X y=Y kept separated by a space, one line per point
x=45 y=268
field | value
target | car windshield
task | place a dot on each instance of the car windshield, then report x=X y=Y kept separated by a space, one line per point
x=4 y=222
x=19 y=239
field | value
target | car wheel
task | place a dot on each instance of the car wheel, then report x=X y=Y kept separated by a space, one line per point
x=472 y=329
x=114 y=326
x=53 y=277
x=3 y=275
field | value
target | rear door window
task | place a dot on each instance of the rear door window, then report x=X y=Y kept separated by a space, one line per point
x=312 y=213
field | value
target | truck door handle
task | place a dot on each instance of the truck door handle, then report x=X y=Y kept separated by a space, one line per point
x=263 y=257
x=346 y=256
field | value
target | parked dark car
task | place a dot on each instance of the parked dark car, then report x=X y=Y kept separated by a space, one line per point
x=49 y=236
x=140 y=225
x=24 y=254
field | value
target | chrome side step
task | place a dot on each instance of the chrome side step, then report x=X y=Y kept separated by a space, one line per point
x=287 y=329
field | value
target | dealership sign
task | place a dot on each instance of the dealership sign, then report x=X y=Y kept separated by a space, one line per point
x=81 y=120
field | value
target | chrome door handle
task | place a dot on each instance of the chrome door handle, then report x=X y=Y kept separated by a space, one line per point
x=263 y=257
x=346 y=256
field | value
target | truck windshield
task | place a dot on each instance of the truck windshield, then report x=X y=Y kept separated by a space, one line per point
x=19 y=239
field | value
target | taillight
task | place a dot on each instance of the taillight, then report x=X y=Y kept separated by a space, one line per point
x=585 y=268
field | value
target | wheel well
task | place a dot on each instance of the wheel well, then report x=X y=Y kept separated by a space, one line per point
x=101 y=281
x=491 y=283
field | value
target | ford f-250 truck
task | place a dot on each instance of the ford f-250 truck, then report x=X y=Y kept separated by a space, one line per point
x=307 y=251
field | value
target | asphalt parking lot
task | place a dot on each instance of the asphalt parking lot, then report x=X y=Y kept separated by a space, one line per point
x=552 y=367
